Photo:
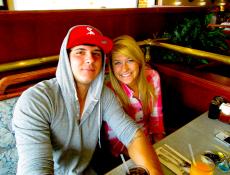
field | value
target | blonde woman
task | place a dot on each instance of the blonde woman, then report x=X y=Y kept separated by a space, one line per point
x=138 y=90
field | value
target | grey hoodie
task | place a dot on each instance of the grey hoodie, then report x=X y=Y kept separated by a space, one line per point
x=50 y=137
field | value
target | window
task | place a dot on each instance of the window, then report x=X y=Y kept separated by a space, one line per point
x=72 y=4
x=3 y=5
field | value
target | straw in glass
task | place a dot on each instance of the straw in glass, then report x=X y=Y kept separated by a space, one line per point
x=191 y=153
x=124 y=163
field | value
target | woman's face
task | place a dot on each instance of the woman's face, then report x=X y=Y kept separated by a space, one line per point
x=125 y=69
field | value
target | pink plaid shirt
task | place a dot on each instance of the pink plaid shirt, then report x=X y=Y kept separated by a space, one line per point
x=150 y=124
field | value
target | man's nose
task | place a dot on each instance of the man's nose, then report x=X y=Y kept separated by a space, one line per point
x=89 y=58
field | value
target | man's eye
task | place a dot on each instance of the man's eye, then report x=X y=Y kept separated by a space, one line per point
x=97 y=54
x=80 y=53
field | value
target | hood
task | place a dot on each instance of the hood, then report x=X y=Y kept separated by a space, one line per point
x=66 y=81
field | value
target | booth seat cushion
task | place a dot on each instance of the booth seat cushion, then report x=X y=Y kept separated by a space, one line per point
x=8 y=151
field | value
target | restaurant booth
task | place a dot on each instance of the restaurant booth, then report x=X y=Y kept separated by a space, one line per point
x=30 y=43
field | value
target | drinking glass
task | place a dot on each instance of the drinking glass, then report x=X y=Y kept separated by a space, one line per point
x=137 y=170
x=203 y=166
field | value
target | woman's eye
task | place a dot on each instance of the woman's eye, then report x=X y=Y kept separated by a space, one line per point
x=116 y=63
x=130 y=60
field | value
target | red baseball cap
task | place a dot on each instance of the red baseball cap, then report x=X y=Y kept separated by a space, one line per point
x=86 y=34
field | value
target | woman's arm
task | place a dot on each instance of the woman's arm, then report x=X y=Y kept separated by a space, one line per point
x=142 y=153
x=139 y=148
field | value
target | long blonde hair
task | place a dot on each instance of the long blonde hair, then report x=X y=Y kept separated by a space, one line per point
x=127 y=46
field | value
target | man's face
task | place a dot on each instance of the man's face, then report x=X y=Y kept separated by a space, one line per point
x=86 y=63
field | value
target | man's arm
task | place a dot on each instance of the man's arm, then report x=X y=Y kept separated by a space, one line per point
x=32 y=134
x=142 y=153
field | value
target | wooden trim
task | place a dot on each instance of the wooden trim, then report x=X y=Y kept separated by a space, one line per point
x=199 y=54
x=16 y=79
x=28 y=63
x=11 y=95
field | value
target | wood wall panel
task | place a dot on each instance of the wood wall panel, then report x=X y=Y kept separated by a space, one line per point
x=32 y=34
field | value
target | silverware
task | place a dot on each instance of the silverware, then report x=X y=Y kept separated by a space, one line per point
x=176 y=155
x=175 y=160
x=181 y=168
x=167 y=154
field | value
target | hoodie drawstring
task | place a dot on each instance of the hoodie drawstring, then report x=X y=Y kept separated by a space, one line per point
x=99 y=125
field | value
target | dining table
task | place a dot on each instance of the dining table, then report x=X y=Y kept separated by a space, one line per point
x=199 y=133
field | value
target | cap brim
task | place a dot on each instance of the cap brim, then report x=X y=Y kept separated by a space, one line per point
x=103 y=42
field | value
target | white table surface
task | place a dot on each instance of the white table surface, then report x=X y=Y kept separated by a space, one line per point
x=200 y=133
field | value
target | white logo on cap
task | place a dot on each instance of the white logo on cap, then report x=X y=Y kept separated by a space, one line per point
x=103 y=42
x=90 y=31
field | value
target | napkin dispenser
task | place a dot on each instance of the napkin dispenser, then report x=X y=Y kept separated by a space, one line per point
x=214 y=107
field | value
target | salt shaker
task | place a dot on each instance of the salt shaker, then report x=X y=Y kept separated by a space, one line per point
x=214 y=110
x=225 y=112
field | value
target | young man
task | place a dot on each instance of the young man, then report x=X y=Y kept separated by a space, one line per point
x=57 y=122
